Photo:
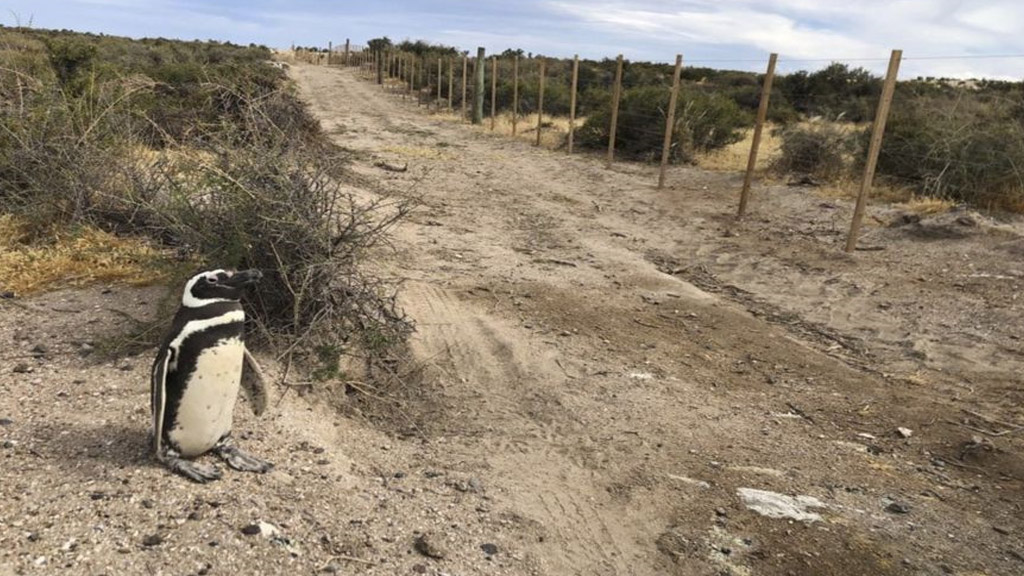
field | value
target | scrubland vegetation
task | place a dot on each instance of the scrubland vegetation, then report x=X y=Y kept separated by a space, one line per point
x=952 y=140
x=171 y=156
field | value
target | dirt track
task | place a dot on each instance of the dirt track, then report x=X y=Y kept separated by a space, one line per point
x=606 y=365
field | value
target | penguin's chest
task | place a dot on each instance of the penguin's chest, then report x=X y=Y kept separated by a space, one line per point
x=208 y=399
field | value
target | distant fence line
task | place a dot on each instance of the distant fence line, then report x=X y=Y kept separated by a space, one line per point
x=417 y=77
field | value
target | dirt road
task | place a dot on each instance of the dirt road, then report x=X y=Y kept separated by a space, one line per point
x=604 y=349
x=606 y=367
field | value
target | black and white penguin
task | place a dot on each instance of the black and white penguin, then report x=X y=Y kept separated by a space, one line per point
x=197 y=374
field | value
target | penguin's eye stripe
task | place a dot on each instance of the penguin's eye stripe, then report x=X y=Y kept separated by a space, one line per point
x=211 y=279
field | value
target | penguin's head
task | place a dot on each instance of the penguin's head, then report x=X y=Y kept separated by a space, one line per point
x=217 y=286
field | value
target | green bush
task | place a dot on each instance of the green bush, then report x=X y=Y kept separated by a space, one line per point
x=821 y=149
x=703 y=122
x=960 y=148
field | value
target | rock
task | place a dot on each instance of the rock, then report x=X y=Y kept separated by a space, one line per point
x=85 y=349
x=489 y=549
x=147 y=503
x=268 y=530
x=774 y=505
x=153 y=540
x=898 y=508
x=6 y=421
x=39 y=350
x=967 y=220
x=904 y=432
x=22 y=368
x=251 y=530
x=426 y=545
x=721 y=512
x=6 y=295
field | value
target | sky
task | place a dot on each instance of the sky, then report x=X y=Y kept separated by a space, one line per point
x=942 y=38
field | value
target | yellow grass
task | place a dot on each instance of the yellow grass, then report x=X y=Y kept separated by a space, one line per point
x=924 y=205
x=554 y=135
x=734 y=157
x=78 y=258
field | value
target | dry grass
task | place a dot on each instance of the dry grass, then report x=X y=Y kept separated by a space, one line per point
x=734 y=157
x=554 y=136
x=78 y=258
x=925 y=205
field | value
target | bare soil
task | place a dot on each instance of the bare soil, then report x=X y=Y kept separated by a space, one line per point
x=600 y=367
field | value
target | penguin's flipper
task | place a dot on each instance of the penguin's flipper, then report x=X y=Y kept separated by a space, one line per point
x=254 y=384
x=158 y=396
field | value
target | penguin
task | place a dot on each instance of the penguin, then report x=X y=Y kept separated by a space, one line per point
x=197 y=374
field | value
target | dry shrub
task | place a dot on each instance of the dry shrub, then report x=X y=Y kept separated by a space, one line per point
x=261 y=196
x=819 y=148
x=249 y=182
x=958 y=147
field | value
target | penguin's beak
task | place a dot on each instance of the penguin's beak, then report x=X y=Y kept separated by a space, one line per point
x=244 y=278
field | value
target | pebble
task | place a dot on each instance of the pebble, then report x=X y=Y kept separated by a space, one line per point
x=425 y=545
x=898 y=508
x=22 y=368
x=251 y=530
x=153 y=540
x=6 y=421
x=904 y=432
x=489 y=549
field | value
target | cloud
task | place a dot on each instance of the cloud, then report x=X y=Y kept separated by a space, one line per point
x=809 y=30
x=722 y=33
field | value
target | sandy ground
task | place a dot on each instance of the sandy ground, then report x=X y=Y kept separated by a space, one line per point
x=605 y=367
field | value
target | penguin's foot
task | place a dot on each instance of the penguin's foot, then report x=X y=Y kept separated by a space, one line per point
x=239 y=460
x=195 y=471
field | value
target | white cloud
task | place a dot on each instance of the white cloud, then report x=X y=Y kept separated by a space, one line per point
x=808 y=29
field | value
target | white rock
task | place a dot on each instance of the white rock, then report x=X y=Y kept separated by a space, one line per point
x=775 y=505
x=904 y=432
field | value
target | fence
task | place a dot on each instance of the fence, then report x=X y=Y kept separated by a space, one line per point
x=664 y=113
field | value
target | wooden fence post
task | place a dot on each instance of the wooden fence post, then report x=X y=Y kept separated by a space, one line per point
x=616 y=96
x=412 y=77
x=515 y=93
x=330 y=50
x=494 y=89
x=572 y=98
x=451 y=83
x=401 y=76
x=670 y=121
x=877 y=131
x=762 y=113
x=479 y=66
x=346 y=51
x=465 y=69
x=437 y=103
x=540 y=101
